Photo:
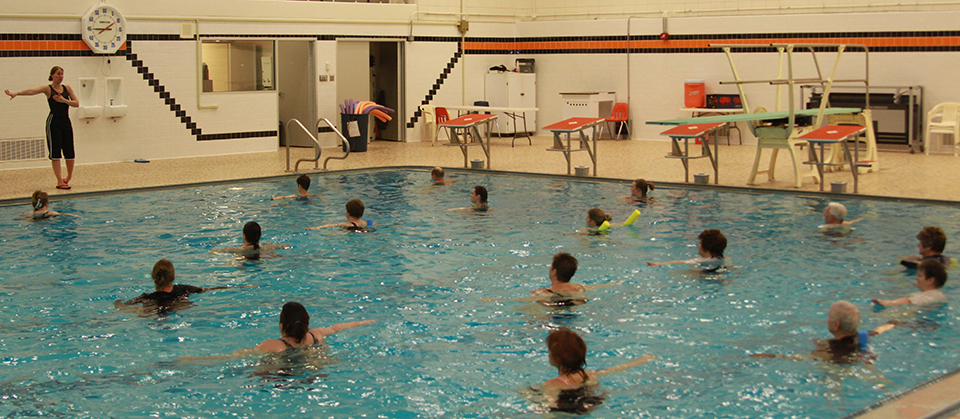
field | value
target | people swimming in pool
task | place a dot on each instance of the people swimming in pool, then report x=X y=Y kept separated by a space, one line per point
x=354 y=223
x=295 y=332
x=595 y=218
x=437 y=177
x=303 y=187
x=573 y=389
x=252 y=249
x=167 y=294
x=835 y=215
x=561 y=292
x=931 y=242
x=638 y=191
x=478 y=200
x=41 y=207
x=847 y=345
x=931 y=275
x=710 y=247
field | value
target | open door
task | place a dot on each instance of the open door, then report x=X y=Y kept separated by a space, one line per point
x=295 y=88
x=373 y=71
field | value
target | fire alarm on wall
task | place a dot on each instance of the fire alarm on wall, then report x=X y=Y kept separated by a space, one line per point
x=664 y=36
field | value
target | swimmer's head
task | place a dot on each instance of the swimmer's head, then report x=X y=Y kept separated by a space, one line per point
x=835 y=210
x=478 y=195
x=597 y=217
x=251 y=234
x=568 y=352
x=713 y=242
x=565 y=265
x=436 y=173
x=294 y=321
x=163 y=274
x=53 y=71
x=39 y=200
x=843 y=319
x=640 y=187
x=933 y=269
x=355 y=208
x=304 y=182
x=932 y=237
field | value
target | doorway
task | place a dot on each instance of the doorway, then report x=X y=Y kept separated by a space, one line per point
x=295 y=91
x=374 y=71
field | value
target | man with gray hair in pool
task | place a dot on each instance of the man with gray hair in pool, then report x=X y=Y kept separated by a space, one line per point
x=834 y=216
x=847 y=345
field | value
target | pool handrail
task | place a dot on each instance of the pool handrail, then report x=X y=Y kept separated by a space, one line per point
x=316 y=145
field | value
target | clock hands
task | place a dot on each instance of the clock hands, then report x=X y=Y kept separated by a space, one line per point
x=108 y=27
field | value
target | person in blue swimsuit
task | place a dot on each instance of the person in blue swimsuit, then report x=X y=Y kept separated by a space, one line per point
x=59 y=131
x=295 y=332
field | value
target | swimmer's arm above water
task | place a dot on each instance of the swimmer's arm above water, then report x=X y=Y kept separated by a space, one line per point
x=228 y=287
x=325 y=331
x=672 y=262
x=890 y=303
x=284 y=197
x=631 y=364
x=327 y=226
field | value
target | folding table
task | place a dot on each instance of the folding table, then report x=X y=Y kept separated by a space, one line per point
x=833 y=134
x=579 y=125
x=464 y=133
x=701 y=131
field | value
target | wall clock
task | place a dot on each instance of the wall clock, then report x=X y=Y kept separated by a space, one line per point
x=104 y=29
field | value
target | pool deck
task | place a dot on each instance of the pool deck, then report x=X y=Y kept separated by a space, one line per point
x=901 y=175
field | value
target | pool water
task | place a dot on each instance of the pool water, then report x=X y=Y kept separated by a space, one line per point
x=436 y=349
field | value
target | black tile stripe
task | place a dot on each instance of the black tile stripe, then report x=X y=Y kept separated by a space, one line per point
x=436 y=86
x=185 y=119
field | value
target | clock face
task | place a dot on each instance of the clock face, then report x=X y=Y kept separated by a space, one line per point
x=104 y=29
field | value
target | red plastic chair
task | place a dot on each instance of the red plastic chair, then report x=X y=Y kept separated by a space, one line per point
x=442 y=116
x=619 y=116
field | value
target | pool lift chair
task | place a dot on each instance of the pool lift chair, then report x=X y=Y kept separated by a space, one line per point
x=778 y=134
x=345 y=145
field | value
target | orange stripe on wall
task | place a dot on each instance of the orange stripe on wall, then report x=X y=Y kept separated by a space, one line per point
x=52 y=45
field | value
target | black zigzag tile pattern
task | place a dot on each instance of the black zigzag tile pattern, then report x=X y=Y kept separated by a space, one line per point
x=178 y=112
x=436 y=86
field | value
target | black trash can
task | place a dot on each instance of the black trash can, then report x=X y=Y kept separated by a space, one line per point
x=357 y=143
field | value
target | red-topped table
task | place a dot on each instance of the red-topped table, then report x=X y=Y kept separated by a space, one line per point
x=701 y=131
x=579 y=125
x=833 y=134
x=464 y=133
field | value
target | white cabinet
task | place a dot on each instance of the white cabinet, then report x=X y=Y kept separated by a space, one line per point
x=512 y=90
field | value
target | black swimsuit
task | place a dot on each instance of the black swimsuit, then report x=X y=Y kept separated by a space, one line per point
x=58 y=128
x=315 y=341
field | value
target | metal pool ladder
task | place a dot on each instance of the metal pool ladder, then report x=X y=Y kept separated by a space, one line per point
x=316 y=145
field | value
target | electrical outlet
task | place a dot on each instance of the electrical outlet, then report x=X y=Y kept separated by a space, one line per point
x=331 y=77
x=323 y=78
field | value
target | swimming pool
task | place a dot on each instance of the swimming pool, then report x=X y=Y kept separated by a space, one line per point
x=437 y=350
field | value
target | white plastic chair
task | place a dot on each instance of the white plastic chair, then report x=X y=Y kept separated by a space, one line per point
x=943 y=119
x=429 y=120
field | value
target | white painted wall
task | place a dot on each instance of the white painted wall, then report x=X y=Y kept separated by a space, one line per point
x=655 y=81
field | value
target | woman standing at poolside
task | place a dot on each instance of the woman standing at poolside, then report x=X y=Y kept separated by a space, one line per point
x=59 y=131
